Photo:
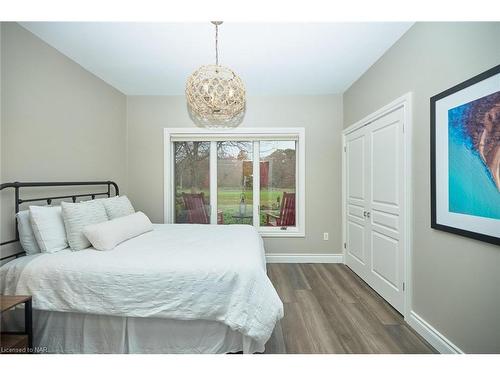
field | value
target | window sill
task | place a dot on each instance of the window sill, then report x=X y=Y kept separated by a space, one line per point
x=282 y=234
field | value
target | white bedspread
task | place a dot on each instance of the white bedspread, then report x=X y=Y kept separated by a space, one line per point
x=182 y=272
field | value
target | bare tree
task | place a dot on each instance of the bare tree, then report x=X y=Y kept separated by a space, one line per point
x=188 y=155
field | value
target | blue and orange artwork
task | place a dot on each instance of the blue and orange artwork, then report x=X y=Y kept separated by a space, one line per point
x=474 y=157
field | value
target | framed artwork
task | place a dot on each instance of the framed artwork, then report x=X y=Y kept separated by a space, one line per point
x=465 y=158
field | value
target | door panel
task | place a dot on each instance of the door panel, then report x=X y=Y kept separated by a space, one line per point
x=356 y=211
x=356 y=177
x=385 y=162
x=356 y=236
x=375 y=210
x=385 y=252
x=385 y=220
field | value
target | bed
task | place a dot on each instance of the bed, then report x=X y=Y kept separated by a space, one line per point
x=177 y=289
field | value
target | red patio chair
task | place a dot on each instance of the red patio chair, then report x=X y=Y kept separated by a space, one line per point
x=286 y=217
x=196 y=211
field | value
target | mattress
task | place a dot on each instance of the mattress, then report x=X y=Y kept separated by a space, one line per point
x=180 y=272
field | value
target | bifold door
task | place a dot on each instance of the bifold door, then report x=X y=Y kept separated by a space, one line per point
x=375 y=205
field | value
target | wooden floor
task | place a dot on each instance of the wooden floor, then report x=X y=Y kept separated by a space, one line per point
x=329 y=309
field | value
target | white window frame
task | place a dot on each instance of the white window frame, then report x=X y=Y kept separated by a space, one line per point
x=242 y=134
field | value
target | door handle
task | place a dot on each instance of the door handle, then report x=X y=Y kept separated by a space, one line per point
x=366 y=214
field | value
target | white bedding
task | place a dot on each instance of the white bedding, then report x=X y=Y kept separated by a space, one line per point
x=75 y=333
x=186 y=272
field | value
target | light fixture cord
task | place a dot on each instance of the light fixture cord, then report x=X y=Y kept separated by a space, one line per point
x=217 y=45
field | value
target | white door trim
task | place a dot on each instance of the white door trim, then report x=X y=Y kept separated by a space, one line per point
x=404 y=102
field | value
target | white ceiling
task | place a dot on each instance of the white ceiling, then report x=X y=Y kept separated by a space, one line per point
x=271 y=58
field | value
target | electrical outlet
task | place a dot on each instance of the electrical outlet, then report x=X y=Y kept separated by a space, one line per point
x=325 y=236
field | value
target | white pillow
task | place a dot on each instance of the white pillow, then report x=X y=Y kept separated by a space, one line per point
x=118 y=207
x=105 y=236
x=48 y=227
x=76 y=216
x=26 y=235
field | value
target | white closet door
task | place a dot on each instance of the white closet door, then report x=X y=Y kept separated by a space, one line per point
x=386 y=207
x=356 y=198
x=375 y=206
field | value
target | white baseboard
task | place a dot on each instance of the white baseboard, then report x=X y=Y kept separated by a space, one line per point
x=304 y=258
x=433 y=336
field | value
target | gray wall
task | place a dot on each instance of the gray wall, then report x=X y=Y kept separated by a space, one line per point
x=456 y=280
x=58 y=121
x=320 y=115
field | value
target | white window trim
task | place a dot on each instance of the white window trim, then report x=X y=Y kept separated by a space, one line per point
x=255 y=134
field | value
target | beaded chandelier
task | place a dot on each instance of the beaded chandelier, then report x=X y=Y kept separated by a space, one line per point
x=215 y=94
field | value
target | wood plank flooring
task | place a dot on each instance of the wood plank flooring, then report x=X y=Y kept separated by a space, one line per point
x=329 y=309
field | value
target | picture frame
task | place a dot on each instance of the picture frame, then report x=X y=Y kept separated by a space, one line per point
x=465 y=158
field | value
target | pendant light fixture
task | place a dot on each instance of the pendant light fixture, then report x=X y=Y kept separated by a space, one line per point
x=215 y=94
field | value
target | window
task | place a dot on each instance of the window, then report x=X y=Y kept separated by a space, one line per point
x=235 y=182
x=192 y=181
x=277 y=183
x=237 y=176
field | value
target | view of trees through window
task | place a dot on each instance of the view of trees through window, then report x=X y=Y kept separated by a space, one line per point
x=235 y=182
x=277 y=183
x=192 y=182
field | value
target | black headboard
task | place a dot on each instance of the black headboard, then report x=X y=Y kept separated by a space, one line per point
x=17 y=186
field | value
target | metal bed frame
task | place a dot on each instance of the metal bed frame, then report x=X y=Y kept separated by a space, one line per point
x=18 y=200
